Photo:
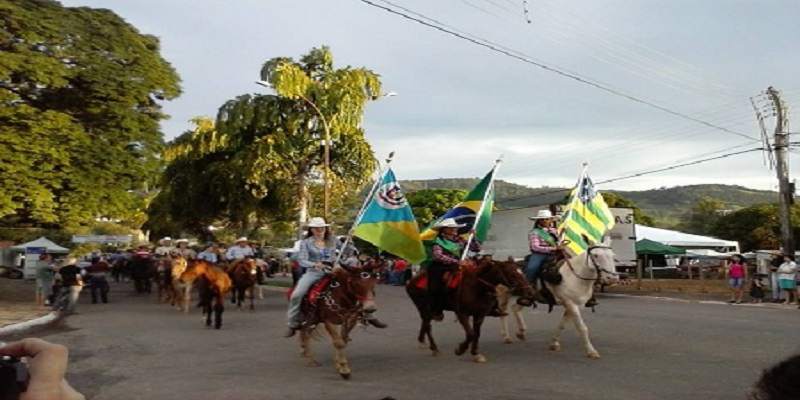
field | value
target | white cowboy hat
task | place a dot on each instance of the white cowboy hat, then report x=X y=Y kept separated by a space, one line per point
x=544 y=214
x=317 y=222
x=165 y=239
x=182 y=241
x=448 y=223
x=241 y=239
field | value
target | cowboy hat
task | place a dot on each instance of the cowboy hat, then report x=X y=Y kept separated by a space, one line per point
x=241 y=239
x=68 y=261
x=317 y=222
x=544 y=214
x=165 y=239
x=182 y=241
x=448 y=223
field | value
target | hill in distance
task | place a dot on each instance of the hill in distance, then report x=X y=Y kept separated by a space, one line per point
x=663 y=204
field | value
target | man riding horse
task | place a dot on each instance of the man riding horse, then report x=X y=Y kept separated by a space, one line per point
x=238 y=253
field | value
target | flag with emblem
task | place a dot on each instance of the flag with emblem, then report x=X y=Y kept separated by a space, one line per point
x=587 y=217
x=389 y=224
x=467 y=210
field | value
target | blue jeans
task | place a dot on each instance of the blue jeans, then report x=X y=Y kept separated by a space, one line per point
x=309 y=278
x=534 y=266
x=68 y=298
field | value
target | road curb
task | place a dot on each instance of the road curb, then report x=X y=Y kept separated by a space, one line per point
x=696 y=301
x=14 y=328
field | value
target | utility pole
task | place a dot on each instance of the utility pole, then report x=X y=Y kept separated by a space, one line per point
x=785 y=188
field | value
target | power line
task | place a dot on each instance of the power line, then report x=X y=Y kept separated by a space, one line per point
x=524 y=58
x=636 y=175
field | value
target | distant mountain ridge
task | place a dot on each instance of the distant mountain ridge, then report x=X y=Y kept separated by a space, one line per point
x=664 y=204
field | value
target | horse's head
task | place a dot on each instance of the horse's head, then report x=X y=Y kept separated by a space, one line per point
x=189 y=275
x=600 y=257
x=508 y=274
x=178 y=266
x=358 y=283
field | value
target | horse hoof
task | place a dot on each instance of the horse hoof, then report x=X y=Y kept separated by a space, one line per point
x=422 y=345
x=479 y=358
x=593 y=356
x=507 y=340
x=345 y=376
x=555 y=347
x=521 y=336
x=435 y=353
x=459 y=351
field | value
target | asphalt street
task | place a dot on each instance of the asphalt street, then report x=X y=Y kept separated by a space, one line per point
x=136 y=348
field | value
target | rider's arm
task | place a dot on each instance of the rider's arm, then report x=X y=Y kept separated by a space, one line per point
x=440 y=255
x=538 y=244
x=302 y=256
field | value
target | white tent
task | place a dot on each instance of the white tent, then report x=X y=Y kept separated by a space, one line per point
x=686 y=240
x=41 y=242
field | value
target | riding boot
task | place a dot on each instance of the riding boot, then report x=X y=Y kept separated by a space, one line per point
x=291 y=330
x=592 y=302
x=497 y=312
x=370 y=318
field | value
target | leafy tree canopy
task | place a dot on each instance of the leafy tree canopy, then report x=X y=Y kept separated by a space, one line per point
x=80 y=93
x=616 y=200
x=755 y=228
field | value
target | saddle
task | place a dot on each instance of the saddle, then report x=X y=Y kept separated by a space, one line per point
x=451 y=279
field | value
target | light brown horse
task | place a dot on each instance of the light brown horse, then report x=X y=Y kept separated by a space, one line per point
x=243 y=275
x=180 y=291
x=213 y=284
x=339 y=307
x=473 y=299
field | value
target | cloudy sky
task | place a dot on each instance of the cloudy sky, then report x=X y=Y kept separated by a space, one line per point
x=460 y=105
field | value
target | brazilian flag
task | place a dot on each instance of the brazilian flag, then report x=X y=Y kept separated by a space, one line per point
x=467 y=210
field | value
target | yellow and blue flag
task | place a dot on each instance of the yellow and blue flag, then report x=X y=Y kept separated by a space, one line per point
x=587 y=217
x=389 y=224
x=467 y=210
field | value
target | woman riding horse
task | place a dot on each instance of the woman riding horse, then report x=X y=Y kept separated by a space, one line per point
x=446 y=257
x=316 y=254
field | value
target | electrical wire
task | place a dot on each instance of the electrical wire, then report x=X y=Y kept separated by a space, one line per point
x=483 y=43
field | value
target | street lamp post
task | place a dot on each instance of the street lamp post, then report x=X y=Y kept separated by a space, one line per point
x=326 y=147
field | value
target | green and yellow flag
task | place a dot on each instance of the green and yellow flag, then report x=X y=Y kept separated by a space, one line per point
x=586 y=218
x=389 y=224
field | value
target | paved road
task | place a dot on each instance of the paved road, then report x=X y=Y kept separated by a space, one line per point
x=135 y=348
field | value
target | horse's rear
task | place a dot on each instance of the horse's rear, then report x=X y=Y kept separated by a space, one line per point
x=338 y=308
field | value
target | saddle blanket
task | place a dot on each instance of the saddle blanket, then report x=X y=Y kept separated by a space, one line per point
x=451 y=278
x=315 y=290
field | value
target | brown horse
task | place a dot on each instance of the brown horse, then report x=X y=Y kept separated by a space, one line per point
x=339 y=307
x=473 y=298
x=243 y=275
x=213 y=284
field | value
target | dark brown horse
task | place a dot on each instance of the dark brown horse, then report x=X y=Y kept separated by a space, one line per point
x=473 y=298
x=244 y=276
x=339 y=307
x=213 y=284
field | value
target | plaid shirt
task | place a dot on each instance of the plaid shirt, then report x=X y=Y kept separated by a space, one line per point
x=539 y=245
x=443 y=256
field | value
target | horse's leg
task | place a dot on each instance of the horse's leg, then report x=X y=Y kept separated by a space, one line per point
x=305 y=348
x=252 y=291
x=516 y=309
x=476 y=336
x=339 y=345
x=233 y=295
x=462 y=347
x=219 y=308
x=554 y=341
x=583 y=331
x=502 y=303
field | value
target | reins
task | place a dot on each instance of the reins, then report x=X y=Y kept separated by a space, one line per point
x=592 y=263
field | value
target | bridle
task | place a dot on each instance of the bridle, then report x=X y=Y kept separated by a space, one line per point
x=593 y=264
x=506 y=282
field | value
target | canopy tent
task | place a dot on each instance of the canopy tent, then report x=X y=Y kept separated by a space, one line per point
x=708 y=253
x=647 y=246
x=41 y=242
x=680 y=239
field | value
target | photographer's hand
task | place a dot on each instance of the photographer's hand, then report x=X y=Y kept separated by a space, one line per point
x=47 y=365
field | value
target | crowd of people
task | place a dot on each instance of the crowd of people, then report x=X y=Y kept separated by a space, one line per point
x=783 y=280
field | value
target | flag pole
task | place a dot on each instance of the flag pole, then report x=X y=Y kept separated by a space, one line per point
x=489 y=190
x=566 y=218
x=363 y=208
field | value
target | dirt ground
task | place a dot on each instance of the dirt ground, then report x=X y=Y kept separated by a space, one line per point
x=17 y=291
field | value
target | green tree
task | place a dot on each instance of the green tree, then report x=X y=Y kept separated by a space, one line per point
x=430 y=204
x=702 y=216
x=614 y=200
x=79 y=123
x=756 y=227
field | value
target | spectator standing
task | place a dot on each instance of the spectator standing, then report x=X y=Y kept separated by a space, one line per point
x=399 y=270
x=775 y=263
x=44 y=280
x=71 y=285
x=97 y=277
x=737 y=276
x=757 y=289
x=786 y=277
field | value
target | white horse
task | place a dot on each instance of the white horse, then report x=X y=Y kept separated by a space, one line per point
x=579 y=276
